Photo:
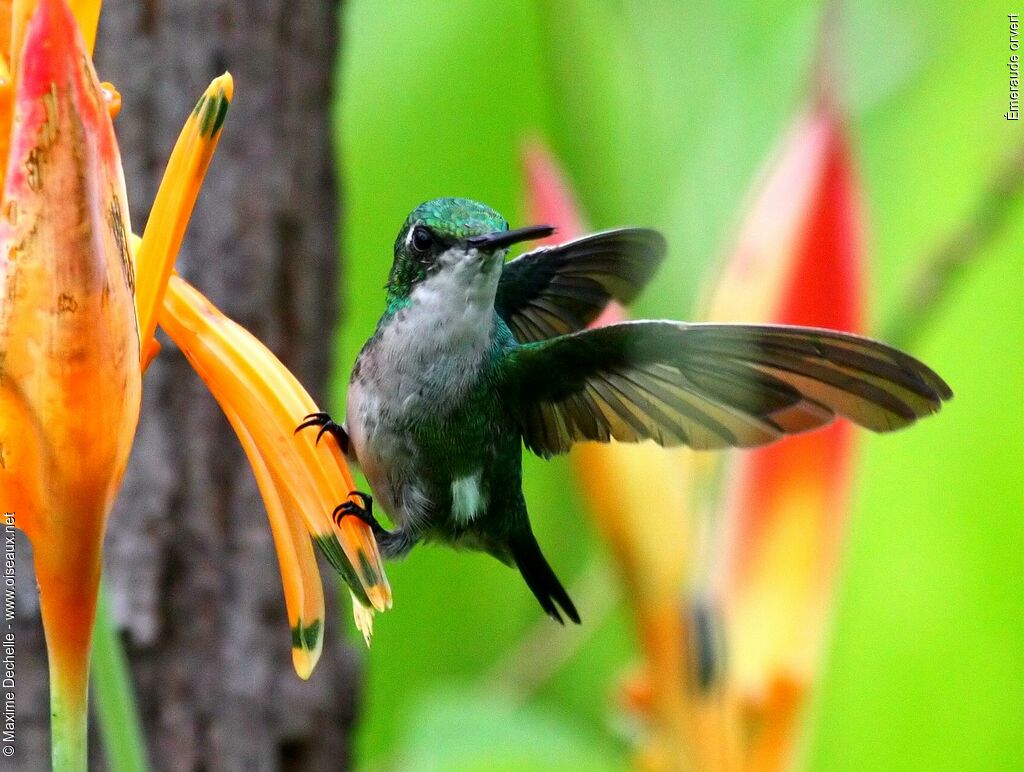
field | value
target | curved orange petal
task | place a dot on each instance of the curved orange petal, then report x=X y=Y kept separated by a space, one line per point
x=172 y=207
x=303 y=591
x=248 y=379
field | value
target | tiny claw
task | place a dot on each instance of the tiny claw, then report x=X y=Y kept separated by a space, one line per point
x=343 y=509
x=326 y=424
x=366 y=497
x=309 y=421
x=362 y=511
x=313 y=419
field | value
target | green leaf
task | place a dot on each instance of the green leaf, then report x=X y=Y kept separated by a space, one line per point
x=113 y=697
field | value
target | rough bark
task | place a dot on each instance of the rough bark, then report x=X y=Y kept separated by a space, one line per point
x=190 y=562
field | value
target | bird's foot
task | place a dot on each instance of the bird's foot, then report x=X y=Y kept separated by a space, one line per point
x=363 y=510
x=392 y=544
x=327 y=425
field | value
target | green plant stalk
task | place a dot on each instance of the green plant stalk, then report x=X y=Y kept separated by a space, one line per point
x=69 y=692
x=937 y=275
x=117 y=714
x=68 y=724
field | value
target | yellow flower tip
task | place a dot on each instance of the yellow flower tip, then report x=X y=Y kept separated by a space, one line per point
x=303 y=664
x=208 y=115
x=356 y=539
x=112 y=98
x=225 y=84
x=380 y=596
x=176 y=197
x=363 y=617
x=307 y=644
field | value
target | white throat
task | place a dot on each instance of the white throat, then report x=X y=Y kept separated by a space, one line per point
x=433 y=350
x=457 y=302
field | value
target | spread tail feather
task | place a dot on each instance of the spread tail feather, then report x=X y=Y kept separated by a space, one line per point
x=541 y=579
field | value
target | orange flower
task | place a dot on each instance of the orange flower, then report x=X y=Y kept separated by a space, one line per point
x=798 y=260
x=79 y=302
x=70 y=377
x=302 y=484
x=300 y=487
x=224 y=342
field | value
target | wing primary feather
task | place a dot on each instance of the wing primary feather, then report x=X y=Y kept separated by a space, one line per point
x=705 y=385
x=756 y=429
x=754 y=391
x=659 y=419
x=862 y=362
x=845 y=382
x=666 y=421
x=607 y=393
x=826 y=344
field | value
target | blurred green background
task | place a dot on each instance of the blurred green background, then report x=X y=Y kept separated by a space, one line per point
x=662 y=114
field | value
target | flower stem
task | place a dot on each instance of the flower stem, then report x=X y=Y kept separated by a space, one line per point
x=998 y=203
x=68 y=721
x=68 y=584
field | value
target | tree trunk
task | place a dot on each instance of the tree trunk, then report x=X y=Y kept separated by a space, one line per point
x=190 y=564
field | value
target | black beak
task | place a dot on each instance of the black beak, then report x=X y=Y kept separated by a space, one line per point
x=491 y=242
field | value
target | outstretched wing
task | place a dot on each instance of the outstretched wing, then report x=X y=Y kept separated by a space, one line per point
x=710 y=385
x=556 y=290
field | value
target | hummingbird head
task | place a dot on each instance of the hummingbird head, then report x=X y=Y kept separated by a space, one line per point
x=459 y=242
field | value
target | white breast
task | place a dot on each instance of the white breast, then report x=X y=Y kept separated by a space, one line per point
x=432 y=350
x=423 y=362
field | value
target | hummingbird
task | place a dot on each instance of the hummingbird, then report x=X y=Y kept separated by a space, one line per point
x=475 y=358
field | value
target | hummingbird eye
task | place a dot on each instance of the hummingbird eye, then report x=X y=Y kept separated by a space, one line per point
x=422 y=239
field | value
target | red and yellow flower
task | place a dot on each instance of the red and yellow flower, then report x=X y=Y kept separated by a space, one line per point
x=778 y=512
x=798 y=260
